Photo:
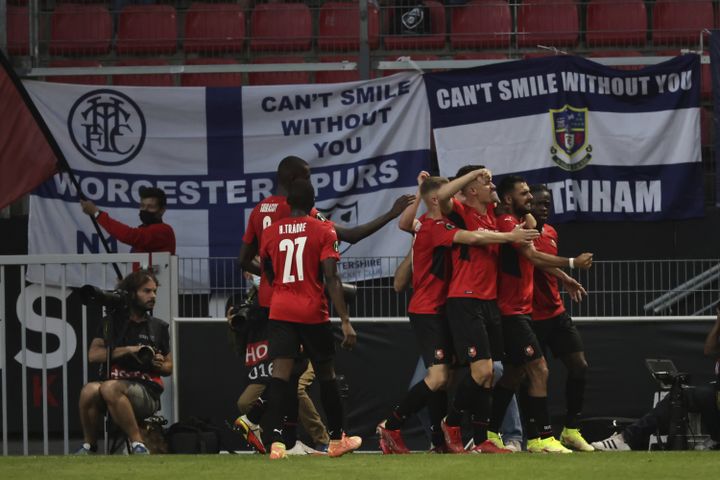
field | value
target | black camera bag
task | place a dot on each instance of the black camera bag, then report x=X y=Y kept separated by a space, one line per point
x=193 y=436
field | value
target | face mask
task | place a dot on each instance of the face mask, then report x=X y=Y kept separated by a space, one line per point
x=148 y=218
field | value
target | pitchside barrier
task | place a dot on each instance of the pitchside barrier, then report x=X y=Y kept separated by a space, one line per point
x=643 y=309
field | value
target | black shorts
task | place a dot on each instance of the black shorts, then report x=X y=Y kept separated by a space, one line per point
x=521 y=344
x=285 y=339
x=559 y=334
x=433 y=336
x=476 y=329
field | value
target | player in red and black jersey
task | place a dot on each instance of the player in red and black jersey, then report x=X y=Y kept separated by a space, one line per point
x=553 y=325
x=299 y=256
x=265 y=213
x=437 y=333
x=523 y=352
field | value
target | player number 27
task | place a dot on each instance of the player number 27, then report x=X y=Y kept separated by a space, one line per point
x=295 y=250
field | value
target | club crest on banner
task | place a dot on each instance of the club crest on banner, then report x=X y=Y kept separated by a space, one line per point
x=570 y=150
x=107 y=127
x=344 y=214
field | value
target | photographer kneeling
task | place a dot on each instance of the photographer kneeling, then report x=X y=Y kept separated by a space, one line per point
x=140 y=355
x=703 y=399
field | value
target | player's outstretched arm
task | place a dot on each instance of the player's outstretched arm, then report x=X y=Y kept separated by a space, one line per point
x=544 y=260
x=334 y=288
x=408 y=220
x=403 y=273
x=572 y=286
x=355 y=234
x=449 y=189
x=247 y=258
x=485 y=237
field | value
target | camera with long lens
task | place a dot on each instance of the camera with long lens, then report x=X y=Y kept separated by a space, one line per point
x=115 y=299
x=240 y=315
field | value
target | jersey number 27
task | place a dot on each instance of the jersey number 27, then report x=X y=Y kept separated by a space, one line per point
x=294 y=250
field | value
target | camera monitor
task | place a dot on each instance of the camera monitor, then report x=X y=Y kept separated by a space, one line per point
x=663 y=370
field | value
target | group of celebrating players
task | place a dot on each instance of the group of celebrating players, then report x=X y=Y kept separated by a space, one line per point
x=485 y=278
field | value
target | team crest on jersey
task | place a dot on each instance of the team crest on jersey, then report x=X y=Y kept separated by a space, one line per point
x=439 y=354
x=529 y=351
x=344 y=214
x=472 y=352
x=570 y=150
x=449 y=226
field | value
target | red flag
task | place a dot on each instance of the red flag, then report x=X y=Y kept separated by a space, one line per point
x=29 y=154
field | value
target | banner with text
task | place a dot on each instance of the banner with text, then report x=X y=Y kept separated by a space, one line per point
x=610 y=144
x=214 y=151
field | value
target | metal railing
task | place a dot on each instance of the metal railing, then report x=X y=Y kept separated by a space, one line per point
x=632 y=288
x=44 y=284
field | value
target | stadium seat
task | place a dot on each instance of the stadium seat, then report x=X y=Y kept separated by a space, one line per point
x=616 y=23
x=338 y=76
x=547 y=22
x=150 y=80
x=413 y=56
x=281 y=27
x=434 y=40
x=339 y=27
x=211 y=79
x=18 y=28
x=278 y=78
x=78 y=29
x=481 y=24
x=680 y=22
x=214 y=28
x=147 y=29
x=78 y=79
x=618 y=53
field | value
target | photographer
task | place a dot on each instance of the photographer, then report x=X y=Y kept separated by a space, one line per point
x=140 y=356
x=703 y=399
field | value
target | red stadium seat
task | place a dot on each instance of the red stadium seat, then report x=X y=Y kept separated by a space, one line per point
x=414 y=56
x=211 y=79
x=618 y=53
x=214 y=27
x=339 y=27
x=150 y=80
x=278 y=78
x=144 y=29
x=281 y=27
x=80 y=30
x=18 y=28
x=616 y=23
x=338 y=76
x=480 y=56
x=680 y=22
x=78 y=79
x=481 y=24
x=547 y=22
x=434 y=40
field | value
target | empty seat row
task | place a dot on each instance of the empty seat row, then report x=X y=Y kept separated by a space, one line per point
x=220 y=27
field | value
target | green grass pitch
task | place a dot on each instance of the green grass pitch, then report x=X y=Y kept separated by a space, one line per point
x=576 y=466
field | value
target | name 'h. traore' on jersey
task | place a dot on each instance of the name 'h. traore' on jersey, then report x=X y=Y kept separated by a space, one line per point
x=474 y=272
x=431 y=265
x=547 y=302
x=265 y=213
x=294 y=249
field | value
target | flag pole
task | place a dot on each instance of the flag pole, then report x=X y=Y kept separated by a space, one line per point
x=61 y=160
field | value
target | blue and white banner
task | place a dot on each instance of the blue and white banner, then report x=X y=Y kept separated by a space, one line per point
x=215 y=152
x=610 y=144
